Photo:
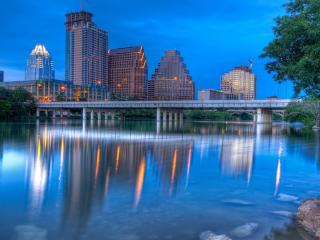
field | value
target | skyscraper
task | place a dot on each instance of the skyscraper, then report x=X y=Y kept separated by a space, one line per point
x=86 y=50
x=171 y=79
x=39 y=64
x=128 y=72
x=240 y=80
x=1 y=76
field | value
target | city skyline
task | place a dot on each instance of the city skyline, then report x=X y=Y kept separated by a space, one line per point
x=207 y=53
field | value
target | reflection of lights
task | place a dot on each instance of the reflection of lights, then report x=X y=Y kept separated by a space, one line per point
x=173 y=170
x=106 y=188
x=139 y=182
x=174 y=166
x=278 y=173
x=117 y=158
x=38 y=178
x=278 y=176
x=98 y=157
x=61 y=158
x=280 y=151
x=189 y=164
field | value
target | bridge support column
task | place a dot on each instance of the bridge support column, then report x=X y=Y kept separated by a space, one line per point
x=264 y=116
x=170 y=116
x=176 y=116
x=164 y=115
x=84 y=114
x=99 y=115
x=113 y=116
x=92 y=115
x=38 y=113
x=181 y=118
x=158 y=115
x=54 y=114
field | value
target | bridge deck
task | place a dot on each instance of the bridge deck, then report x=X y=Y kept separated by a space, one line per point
x=230 y=104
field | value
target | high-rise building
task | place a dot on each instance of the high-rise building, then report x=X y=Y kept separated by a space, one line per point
x=128 y=72
x=171 y=79
x=39 y=64
x=86 y=50
x=240 y=80
x=1 y=76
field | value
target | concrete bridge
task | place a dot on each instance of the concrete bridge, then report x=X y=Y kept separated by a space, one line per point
x=166 y=110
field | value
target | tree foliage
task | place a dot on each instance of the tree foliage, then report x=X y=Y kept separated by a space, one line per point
x=307 y=112
x=295 y=51
x=15 y=104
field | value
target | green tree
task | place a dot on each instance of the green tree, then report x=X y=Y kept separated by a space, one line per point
x=295 y=51
x=5 y=109
x=15 y=104
x=307 y=112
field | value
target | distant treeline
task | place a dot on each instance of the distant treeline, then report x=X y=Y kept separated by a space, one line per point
x=15 y=104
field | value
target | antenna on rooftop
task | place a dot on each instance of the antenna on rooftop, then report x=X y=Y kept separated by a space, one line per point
x=250 y=64
x=82 y=4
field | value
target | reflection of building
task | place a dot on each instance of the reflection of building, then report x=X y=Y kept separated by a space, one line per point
x=237 y=153
x=86 y=50
x=39 y=65
x=55 y=90
x=171 y=79
x=240 y=80
x=128 y=72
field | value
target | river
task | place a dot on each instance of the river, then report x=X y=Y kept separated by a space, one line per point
x=138 y=181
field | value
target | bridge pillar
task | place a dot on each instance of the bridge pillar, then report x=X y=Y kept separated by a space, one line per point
x=38 y=113
x=92 y=115
x=176 y=116
x=164 y=116
x=181 y=118
x=99 y=115
x=54 y=114
x=255 y=117
x=170 y=116
x=113 y=116
x=264 y=116
x=84 y=114
x=158 y=114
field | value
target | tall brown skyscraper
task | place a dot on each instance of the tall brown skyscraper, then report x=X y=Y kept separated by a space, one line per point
x=128 y=72
x=171 y=79
x=86 y=50
x=240 y=80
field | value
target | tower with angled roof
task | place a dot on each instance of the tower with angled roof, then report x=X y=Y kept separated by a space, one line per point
x=39 y=64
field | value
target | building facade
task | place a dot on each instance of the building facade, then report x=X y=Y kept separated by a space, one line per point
x=171 y=79
x=127 y=73
x=39 y=65
x=1 y=76
x=241 y=81
x=86 y=51
x=56 y=90
x=212 y=94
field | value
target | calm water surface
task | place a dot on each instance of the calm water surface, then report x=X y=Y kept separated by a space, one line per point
x=130 y=181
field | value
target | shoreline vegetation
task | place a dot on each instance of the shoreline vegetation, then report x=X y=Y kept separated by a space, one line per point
x=17 y=104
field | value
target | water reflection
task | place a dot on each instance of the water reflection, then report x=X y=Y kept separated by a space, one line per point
x=83 y=170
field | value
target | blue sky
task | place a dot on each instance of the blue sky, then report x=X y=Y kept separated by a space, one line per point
x=213 y=36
